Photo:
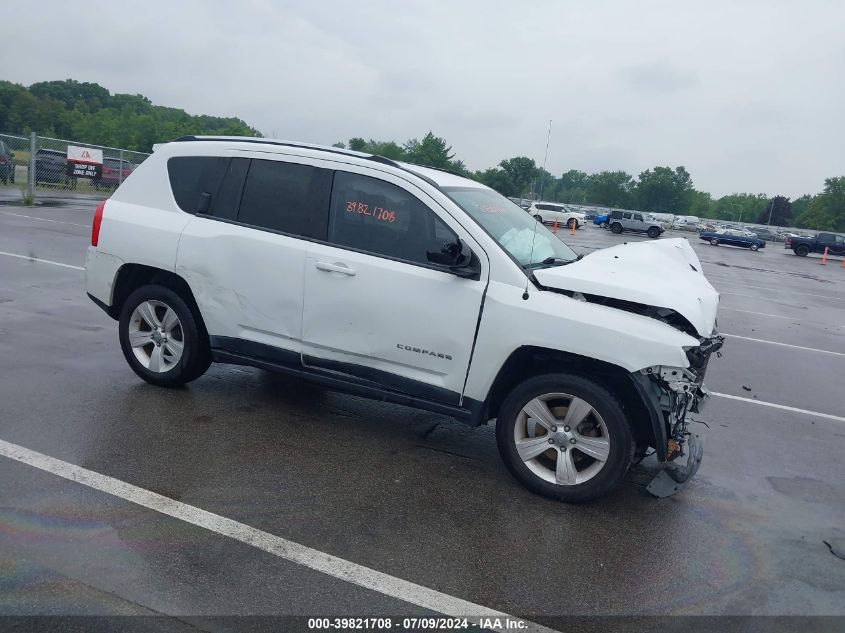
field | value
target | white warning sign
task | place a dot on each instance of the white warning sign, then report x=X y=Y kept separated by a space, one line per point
x=84 y=162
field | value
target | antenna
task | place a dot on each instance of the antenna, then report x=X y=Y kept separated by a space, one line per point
x=536 y=221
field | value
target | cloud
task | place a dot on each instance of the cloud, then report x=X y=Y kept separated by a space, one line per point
x=717 y=87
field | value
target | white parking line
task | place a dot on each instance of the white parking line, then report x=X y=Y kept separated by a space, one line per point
x=760 y=340
x=778 y=406
x=42 y=261
x=775 y=292
x=775 y=316
x=276 y=545
x=32 y=217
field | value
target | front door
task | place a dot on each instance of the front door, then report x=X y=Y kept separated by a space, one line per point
x=375 y=309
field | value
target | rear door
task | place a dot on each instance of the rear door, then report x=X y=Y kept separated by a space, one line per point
x=243 y=254
x=375 y=309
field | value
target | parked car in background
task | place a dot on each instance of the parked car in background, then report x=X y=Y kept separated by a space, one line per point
x=7 y=163
x=768 y=235
x=732 y=237
x=685 y=226
x=802 y=246
x=633 y=221
x=51 y=166
x=111 y=175
x=549 y=212
x=601 y=220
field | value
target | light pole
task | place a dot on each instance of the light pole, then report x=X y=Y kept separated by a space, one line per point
x=771 y=208
x=734 y=204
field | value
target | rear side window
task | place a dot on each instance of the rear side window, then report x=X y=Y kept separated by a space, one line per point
x=191 y=176
x=286 y=197
x=378 y=217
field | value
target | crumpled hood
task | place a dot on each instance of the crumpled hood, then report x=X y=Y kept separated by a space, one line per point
x=663 y=274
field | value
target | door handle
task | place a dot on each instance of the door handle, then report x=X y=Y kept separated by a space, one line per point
x=343 y=269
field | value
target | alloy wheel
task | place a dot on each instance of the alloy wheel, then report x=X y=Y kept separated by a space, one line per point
x=562 y=439
x=156 y=337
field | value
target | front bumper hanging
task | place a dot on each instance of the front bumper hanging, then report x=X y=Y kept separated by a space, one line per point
x=684 y=393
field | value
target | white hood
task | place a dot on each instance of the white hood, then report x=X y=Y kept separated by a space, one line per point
x=663 y=274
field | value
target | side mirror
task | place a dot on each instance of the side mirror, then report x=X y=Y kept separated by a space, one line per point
x=458 y=258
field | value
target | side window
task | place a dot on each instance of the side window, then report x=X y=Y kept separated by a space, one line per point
x=377 y=217
x=639 y=217
x=627 y=216
x=225 y=204
x=286 y=197
x=615 y=214
x=190 y=176
x=840 y=239
x=825 y=237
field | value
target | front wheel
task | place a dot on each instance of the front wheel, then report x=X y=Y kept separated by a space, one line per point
x=572 y=223
x=754 y=247
x=565 y=437
x=653 y=232
x=161 y=339
x=616 y=228
x=539 y=218
x=714 y=242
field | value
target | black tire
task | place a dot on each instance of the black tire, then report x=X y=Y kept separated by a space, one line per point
x=599 y=398
x=754 y=247
x=714 y=242
x=196 y=356
x=572 y=223
x=539 y=218
x=616 y=228
x=653 y=232
x=802 y=250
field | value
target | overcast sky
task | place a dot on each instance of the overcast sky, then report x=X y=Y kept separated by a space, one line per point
x=749 y=96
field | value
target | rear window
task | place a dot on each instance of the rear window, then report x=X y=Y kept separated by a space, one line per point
x=191 y=176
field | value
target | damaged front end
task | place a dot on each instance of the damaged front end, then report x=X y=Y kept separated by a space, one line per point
x=677 y=392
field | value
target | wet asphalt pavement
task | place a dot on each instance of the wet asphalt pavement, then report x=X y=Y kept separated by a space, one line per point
x=411 y=494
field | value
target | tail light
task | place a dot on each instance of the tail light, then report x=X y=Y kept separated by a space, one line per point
x=788 y=242
x=98 y=220
x=106 y=170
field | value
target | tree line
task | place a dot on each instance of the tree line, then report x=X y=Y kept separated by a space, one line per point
x=658 y=190
x=89 y=113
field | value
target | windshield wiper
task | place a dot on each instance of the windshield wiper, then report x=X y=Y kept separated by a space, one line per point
x=552 y=261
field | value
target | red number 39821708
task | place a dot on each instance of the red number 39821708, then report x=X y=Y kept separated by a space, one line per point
x=364 y=209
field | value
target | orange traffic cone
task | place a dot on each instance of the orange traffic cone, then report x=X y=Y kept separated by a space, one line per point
x=824 y=257
x=572 y=225
x=555 y=229
x=843 y=262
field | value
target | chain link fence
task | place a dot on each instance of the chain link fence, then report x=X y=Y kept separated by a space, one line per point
x=41 y=167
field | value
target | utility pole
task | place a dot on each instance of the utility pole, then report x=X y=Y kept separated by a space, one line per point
x=545 y=158
x=771 y=208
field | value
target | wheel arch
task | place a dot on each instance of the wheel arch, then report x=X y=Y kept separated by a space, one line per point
x=645 y=419
x=130 y=277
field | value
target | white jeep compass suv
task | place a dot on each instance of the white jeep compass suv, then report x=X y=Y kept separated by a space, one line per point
x=412 y=285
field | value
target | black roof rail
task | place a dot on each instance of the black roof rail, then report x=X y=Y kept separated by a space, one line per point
x=333 y=150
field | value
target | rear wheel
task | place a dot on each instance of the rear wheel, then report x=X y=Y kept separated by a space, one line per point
x=754 y=247
x=539 y=218
x=802 y=250
x=616 y=228
x=565 y=437
x=572 y=223
x=714 y=242
x=653 y=232
x=160 y=337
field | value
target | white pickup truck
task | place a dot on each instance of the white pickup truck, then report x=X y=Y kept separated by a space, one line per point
x=413 y=285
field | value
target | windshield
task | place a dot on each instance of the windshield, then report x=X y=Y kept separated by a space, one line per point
x=512 y=227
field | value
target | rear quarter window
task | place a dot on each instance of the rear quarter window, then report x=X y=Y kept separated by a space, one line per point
x=191 y=176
